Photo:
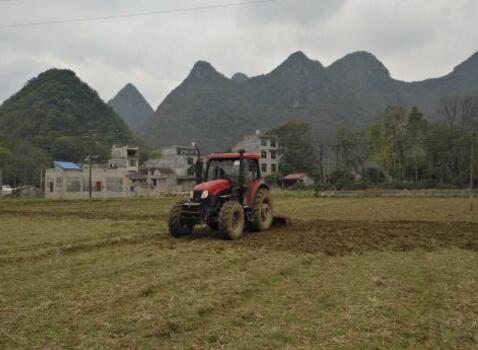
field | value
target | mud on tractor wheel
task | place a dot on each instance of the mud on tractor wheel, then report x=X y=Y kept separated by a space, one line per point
x=175 y=227
x=231 y=220
x=262 y=211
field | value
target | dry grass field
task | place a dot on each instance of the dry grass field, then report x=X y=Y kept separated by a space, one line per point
x=370 y=273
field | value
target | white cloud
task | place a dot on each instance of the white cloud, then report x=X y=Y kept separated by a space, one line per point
x=414 y=39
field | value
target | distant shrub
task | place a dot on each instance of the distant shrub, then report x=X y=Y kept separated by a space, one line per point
x=273 y=180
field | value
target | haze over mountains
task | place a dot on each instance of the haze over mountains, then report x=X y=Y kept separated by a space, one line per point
x=215 y=111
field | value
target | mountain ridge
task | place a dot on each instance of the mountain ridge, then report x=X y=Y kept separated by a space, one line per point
x=352 y=91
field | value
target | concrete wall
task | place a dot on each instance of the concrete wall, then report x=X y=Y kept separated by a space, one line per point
x=176 y=158
x=74 y=184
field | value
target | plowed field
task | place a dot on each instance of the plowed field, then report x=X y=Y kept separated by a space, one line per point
x=349 y=273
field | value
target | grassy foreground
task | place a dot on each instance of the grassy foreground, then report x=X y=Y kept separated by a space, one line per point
x=350 y=273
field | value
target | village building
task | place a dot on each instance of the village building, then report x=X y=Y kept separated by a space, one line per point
x=125 y=157
x=174 y=171
x=266 y=146
x=119 y=178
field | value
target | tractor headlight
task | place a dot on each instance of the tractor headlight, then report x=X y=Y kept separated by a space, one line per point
x=191 y=195
x=204 y=194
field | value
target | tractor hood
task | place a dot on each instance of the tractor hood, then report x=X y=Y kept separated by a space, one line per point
x=214 y=187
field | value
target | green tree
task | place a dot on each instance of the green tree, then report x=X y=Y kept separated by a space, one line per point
x=394 y=130
x=297 y=151
x=416 y=132
x=68 y=149
x=355 y=149
x=7 y=165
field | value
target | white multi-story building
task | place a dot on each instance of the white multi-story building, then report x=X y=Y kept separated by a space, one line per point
x=174 y=171
x=266 y=146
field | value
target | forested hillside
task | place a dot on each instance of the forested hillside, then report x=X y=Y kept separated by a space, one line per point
x=50 y=118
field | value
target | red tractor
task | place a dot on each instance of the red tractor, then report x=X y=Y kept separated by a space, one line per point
x=231 y=196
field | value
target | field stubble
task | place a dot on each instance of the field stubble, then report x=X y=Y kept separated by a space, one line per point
x=349 y=273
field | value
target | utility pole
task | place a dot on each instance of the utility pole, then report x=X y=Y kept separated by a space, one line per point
x=472 y=170
x=41 y=180
x=92 y=140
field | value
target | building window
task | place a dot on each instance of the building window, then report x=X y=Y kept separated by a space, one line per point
x=51 y=186
x=273 y=154
x=273 y=143
x=273 y=168
x=132 y=163
x=190 y=160
x=264 y=142
x=264 y=154
x=264 y=167
x=98 y=186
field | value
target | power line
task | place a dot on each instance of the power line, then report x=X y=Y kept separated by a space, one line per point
x=138 y=14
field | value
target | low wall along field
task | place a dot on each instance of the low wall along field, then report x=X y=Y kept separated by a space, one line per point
x=349 y=273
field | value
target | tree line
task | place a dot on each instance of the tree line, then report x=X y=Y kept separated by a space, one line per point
x=404 y=149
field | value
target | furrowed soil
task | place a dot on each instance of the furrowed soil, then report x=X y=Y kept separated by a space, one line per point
x=348 y=273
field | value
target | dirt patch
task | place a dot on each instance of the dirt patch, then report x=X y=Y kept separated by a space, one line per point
x=346 y=237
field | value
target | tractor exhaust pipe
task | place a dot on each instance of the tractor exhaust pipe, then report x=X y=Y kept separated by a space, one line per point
x=241 y=175
x=199 y=165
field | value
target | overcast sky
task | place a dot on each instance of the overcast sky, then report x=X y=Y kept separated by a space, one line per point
x=415 y=39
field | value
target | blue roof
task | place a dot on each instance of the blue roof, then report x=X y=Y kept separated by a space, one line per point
x=67 y=165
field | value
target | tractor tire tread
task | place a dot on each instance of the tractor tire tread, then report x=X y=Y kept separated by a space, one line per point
x=174 y=222
x=258 y=225
x=225 y=220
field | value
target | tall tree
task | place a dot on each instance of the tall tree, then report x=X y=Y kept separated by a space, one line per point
x=416 y=131
x=7 y=166
x=394 y=127
x=297 y=151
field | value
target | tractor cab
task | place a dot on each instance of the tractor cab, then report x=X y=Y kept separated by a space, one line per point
x=230 y=195
x=235 y=173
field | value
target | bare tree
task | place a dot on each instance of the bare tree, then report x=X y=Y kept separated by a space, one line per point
x=468 y=112
x=450 y=109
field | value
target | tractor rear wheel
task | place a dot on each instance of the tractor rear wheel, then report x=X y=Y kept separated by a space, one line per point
x=262 y=210
x=231 y=220
x=176 y=229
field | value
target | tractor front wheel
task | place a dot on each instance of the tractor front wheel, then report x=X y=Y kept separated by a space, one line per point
x=262 y=210
x=231 y=220
x=176 y=229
